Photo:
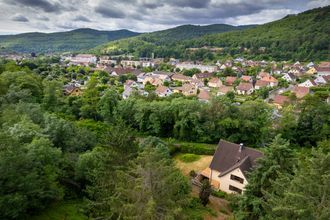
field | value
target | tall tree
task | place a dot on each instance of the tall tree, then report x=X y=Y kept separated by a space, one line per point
x=278 y=158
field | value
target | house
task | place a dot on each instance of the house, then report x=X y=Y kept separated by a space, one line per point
x=72 y=90
x=189 y=90
x=163 y=91
x=83 y=59
x=262 y=74
x=105 y=60
x=202 y=76
x=229 y=167
x=323 y=70
x=297 y=72
x=311 y=71
x=164 y=76
x=260 y=84
x=322 y=80
x=130 y=63
x=223 y=90
x=311 y=64
x=153 y=80
x=272 y=82
x=289 y=77
x=244 y=88
x=214 y=82
x=181 y=78
x=204 y=95
x=308 y=83
x=202 y=68
x=246 y=78
x=230 y=80
x=280 y=100
x=300 y=92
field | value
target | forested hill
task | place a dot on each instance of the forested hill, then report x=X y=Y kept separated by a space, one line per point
x=189 y=31
x=147 y=43
x=79 y=39
x=303 y=36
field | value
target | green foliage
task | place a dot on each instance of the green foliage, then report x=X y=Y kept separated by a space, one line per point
x=205 y=192
x=278 y=159
x=80 y=39
x=304 y=195
x=188 y=158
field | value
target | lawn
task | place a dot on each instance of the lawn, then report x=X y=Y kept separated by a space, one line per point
x=68 y=210
x=197 y=165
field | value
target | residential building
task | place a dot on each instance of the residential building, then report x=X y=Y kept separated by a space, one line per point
x=202 y=68
x=322 y=80
x=280 y=100
x=223 y=90
x=202 y=76
x=260 y=84
x=181 y=78
x=308 y=83
x=163 y=91
x=244 y=88
x=246 y=78
x=83 y=59
x=230 y=80
x=300 y=92
x=204 y=95
x=214 y=82
x=230 y=166
x=289 y=77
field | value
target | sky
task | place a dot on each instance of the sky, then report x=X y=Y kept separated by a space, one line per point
x=20 y=16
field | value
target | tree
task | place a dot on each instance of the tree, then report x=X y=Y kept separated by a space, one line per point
x=205 y=192
x=151 y=188
x=305 y=194
x=29 y=176
x=278 y=159
x=107 y=105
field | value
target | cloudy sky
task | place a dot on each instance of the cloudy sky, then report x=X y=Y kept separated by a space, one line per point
x=19 y=16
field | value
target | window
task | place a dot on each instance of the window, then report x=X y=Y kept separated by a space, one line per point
x=235 y=189
x=236 y=178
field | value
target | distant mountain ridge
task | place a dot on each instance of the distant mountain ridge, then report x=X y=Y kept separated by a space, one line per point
x=75 y=40
x=303 y=36
x=85 y=38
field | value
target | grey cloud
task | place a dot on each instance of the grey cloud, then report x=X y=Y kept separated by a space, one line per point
x=44 y=5
x=190 y=3
x=20 y=18
x=81 y=18
x=109 y=12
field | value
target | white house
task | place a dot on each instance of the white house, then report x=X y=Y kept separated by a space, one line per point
x=322 y=80
x=308 y=83
x=229 y=167
x=244 y=88
x=289 y=77
x=163 y=91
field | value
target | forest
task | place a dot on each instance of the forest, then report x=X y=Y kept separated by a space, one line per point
x=285 y=39
x=112 y=155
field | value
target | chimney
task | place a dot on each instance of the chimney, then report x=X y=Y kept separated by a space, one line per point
x=241 y=147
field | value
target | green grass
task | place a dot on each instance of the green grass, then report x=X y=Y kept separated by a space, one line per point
x=69 y=210
x=188 y=158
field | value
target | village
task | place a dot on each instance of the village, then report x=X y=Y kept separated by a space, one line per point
x=278 y=83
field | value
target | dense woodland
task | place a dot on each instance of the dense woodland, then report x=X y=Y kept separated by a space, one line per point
x=79 y=39
x=285 y=39
x=108 y=152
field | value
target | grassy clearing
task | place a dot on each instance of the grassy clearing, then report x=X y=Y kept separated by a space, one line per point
x=68 y=210
x=188 y=158
x=198 y=165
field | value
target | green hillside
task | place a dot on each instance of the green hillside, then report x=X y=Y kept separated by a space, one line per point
x=298 y=37
x=75 y=40
x=157 y=42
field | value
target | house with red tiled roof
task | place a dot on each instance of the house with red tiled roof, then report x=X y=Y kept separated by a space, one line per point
x=214 y=82
x=163 y=91
x=223 y=90
x=280 y=100
x=204 y=95
x=300 y=92
x=244 y=88
x=260 y=84
x=246 y=78
x=272 y=81
x=230 y=80
x=229 y=167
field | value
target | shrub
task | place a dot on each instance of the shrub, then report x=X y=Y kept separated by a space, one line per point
x=188 y=158
x=192 y=174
